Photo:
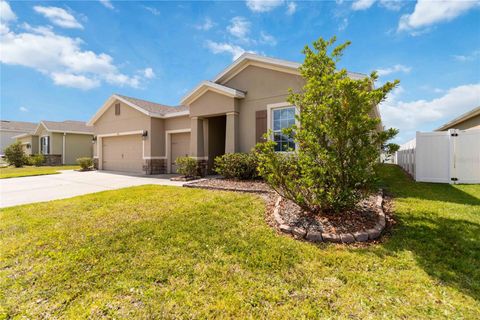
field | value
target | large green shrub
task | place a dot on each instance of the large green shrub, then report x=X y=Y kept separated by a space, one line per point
x=37 y=160
x=15 y=155
x=241 y=166
x=187 y=166
x=338 y=139
x=85 y=163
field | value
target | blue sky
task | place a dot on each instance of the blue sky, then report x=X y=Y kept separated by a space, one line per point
x=62 y=60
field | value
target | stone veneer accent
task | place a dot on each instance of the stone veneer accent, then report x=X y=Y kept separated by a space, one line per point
x=53 y=159
x=95 y=163
x=155 y=166
x=316 y=236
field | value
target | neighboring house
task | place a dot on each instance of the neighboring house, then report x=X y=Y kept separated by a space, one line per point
x=60 y=142
x=226 y=115
x=467 y=121
x=10 y=129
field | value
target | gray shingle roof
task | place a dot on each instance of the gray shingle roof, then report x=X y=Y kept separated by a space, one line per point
x=20 y=126
x=152 y=107
x=68 y=125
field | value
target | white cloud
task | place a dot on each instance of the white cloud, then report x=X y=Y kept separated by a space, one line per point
x=291 y=8
x=152 y=10
x=6 y=16
x=396 y=68
x=148 y=73
x=206 y=25
x=74 y=81
x=23 y=109
x=239 y=27
x=234 y=50
x=427 y=13
x=470 y=57
x=343 y=25
x=419 y=115
x=61 y=58
x=362 y=4
x=268 y=39
x=263 y=5
x=59 y=16
x=107 y=4
x=393 y=5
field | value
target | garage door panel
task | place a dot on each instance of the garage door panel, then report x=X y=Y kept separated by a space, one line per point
x=180 y=147
x=123 y=153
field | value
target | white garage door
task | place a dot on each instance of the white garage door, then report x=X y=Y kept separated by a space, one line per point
x=123 y=153
x=180 y=147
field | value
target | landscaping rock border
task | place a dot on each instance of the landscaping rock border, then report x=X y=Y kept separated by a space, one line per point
x=316 y=236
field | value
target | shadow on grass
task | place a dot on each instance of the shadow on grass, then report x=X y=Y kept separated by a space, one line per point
x=445 y=243
x=403 y=186
x=446 y=249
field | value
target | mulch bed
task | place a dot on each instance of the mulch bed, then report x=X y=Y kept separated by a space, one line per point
x=362 y=218
x=254 y=186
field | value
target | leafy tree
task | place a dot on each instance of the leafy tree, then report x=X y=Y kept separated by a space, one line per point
x=338 y=137
x=15 y=155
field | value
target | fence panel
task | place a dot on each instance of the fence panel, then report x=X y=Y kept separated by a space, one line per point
x=466 y=162
x=432 y=157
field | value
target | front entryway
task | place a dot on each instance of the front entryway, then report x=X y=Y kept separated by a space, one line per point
x=123 y=153
x=180 y=147
x=216 y=139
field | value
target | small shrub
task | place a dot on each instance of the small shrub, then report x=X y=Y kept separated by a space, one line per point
x=241 y=166
x=37 y=160
x=187 y=166
x=85 y=163
x=15 y=155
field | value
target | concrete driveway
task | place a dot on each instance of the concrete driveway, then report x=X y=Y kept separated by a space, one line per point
x=69 y=183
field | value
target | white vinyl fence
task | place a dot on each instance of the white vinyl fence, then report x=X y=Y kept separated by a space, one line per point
x=451 y=156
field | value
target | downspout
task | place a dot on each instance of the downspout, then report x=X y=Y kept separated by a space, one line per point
x=63 y=148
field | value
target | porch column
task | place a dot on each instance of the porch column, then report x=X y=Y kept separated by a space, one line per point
x=196 y=138
x=231 y=133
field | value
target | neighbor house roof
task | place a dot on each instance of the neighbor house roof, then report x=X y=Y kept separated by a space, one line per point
x=464 y=117
x=149 y=108
x=18 y=126
x=67 y=126
x=205 y=86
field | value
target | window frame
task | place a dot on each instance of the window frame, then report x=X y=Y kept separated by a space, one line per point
x=278 y=106
x=45 y=145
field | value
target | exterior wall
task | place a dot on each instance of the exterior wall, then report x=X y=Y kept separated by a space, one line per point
x=128 y=120
x=212 y=103
x=24 y=141
x=56 y=143
x=263 y=87
x=472 y=123
x=157 y=134
x=177 y=123
x=77 y=146
x=6 y=138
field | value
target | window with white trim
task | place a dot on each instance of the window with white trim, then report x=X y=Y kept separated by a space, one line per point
x=45 y=145
x=283 y=118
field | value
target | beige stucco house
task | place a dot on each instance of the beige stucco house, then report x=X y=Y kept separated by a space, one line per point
x=60 y=142
x=466 y=121
x=228 y=114
x=10 y=129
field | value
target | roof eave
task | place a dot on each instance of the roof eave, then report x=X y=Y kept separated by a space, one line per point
x=205 y=86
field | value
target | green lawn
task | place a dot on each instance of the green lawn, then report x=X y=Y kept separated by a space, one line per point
x=12 y=172
x=166 y=252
